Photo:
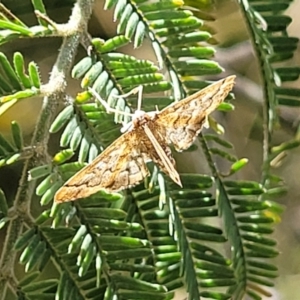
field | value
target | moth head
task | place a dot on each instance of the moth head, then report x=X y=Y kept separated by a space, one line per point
x=141 y=117
x=137 y=119
x=138 y=114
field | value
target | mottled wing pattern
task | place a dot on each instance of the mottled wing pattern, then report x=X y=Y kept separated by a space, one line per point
x=181 y=122
x=159 y=152
x=118 y=167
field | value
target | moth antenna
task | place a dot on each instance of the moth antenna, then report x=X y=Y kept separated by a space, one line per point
x=138 y=90
x=156 y=107
x=105 y=105
x=132 y=92
x=140 y=97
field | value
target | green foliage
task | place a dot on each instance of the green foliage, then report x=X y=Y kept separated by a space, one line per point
x=11 y=152
x=145 y=242
x=14 y=79
x=274 y=46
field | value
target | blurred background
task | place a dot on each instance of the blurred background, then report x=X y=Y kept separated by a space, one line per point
x=243 y=126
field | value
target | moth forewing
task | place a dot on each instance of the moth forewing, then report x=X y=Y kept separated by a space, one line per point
x=181 y=122
x=209 y=98
x=115 y=169
x=169 y=168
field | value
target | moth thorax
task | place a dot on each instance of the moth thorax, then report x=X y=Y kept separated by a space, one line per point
x=140 y=118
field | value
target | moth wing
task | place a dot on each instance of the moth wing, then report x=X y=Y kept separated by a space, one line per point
x=119 y=166
x=181 y=122
x=160 y=153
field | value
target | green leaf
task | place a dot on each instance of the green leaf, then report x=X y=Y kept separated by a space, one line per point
x=14 y=27
x=110 y=3
x=236 y=166
x=285 y=146
x=198 y=52
x=76 y=241
x=19 y=66
x=66 y=136
x=101 y=82
x=49 y=194
x=87 y=260
x=9 y=72
x=3 y=204
x=126 y=13
x=13 y=158
x=82 y=67
x=40 y=171
x=160 y=6
x=43 y=217
x=105 y=213
x=28 y=251
x=46 y=184
x=198 y=67
x=114 y=43
x=77 y=136
x=17 y=135
x=34 y=75
x=135 y=284
x=185 y=22
x=39 y=6
x=35 y=256
x=84 y=147
x=277 y=22
x=92 y=74
x=62 y=118
x=28 y=279
x=139 y=34
x=6 y=145
x=40 y=286
x=131 y=25
x=189 y=38
x=19 y=95
x=129 y=254
x=63 y=156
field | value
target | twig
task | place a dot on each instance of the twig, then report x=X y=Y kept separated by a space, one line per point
x=55 y=92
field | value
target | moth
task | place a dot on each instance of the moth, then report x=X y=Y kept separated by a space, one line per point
x=147 y=138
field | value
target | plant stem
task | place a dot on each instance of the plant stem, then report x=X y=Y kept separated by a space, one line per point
x=261 y=48
x=55 y=90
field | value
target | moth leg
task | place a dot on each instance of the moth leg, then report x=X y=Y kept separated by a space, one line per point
x=138 y=90
x=206 y=122
x=126 y=127
x=106 y=106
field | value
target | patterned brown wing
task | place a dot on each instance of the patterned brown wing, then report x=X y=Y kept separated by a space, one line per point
x=182 y=121
x=119 y=166
x=159 y=152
